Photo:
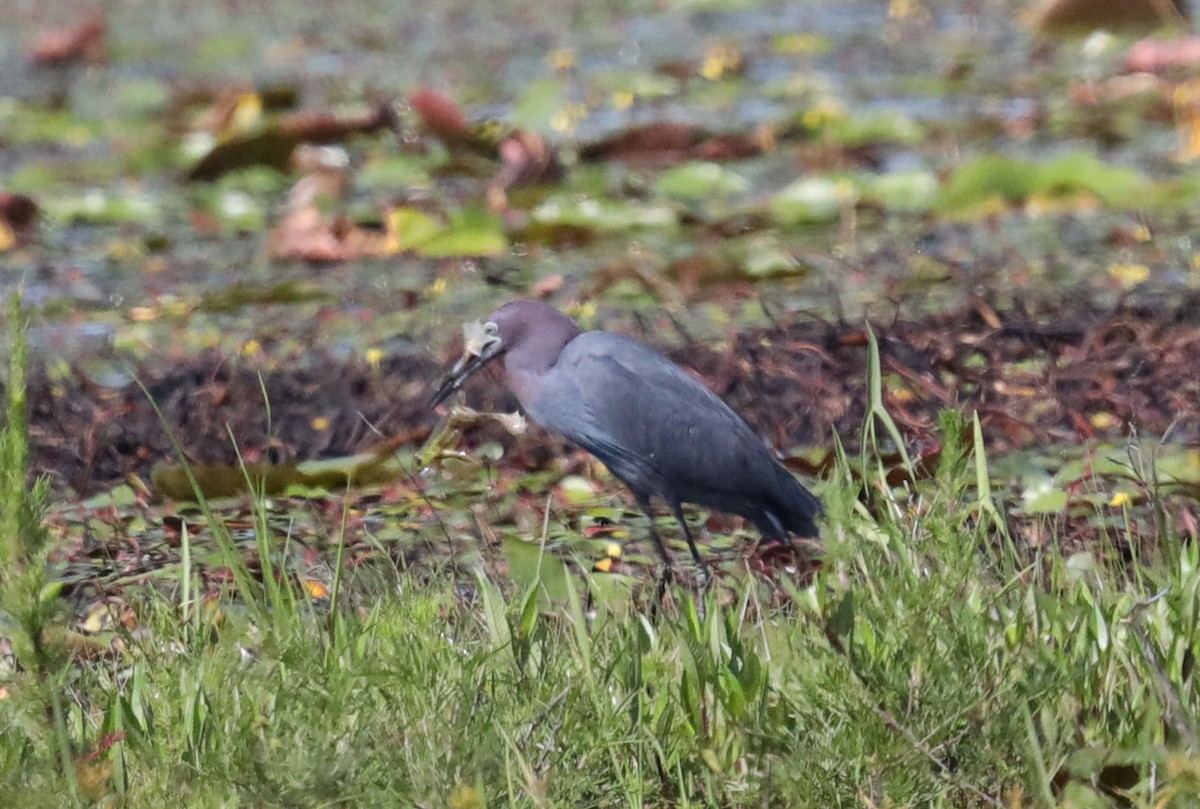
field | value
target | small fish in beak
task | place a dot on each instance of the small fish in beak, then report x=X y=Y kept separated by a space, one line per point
x=481 y=344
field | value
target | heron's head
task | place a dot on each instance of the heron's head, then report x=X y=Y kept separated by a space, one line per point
x=534 y=332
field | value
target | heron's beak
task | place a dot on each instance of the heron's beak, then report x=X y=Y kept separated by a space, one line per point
x=480 y=349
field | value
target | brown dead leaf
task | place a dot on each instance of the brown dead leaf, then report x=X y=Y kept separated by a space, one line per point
x=703 y=269
x=526 y=159
x=78 y=645
x=441 y=116
x=547 y=286
x=1187 y=117
x=86 y=41
x=668 y=143
x=327 y=127
x=18 y=219
x=231 y=111
x=93 y=778
x=309 y=234
x=1069 y=16
x=1188 y=522
x=18 y=211
x=799 y=560
x=739 y=145
x=326 y=175
x=203 y=222
x=274 y=97
x=665 y=141
x=1158 y=55
x=246 y=137
x=270 y=147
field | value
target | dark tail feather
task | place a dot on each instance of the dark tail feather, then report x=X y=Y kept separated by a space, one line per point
x=798 y=507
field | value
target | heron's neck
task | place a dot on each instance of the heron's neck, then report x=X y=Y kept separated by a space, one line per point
x=524 y=384
x=527 y=369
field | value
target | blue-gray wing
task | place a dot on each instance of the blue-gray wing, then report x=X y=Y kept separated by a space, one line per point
x=660 y=430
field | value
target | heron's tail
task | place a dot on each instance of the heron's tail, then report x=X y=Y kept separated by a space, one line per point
x=799 y=507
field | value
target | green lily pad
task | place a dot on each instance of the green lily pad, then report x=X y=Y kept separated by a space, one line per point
x=470 y=233
x=603 y=214
x=887 y=126
x=141 y=97
x=697 y=181
x=813 y=200
x=393 y=172
x=903 y=191
x=540 y=103
x=638 y=84
x=1011 y=179
x=240 y=210
x=412 y=228
x=25 y=125
x=1045 y=499
x=331 y=476
x=97 y=206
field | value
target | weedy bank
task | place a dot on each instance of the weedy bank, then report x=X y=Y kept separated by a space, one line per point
x=933 y=660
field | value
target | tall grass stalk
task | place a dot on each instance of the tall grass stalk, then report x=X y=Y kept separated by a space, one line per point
x=29 y=603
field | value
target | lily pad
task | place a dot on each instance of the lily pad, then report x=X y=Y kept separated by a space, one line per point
x=1014 y=180
x=696 y=181
x=99 y=206
x=397 y=171
x=470 y=233
x=903 y=191
x=603 y=215
x=813 y=200
x=540 y=103
x=142 y=97
x=885 y=126
x=410 y=228
x=328 y=476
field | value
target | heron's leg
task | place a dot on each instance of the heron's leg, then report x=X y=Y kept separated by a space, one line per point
x=659 y=545
x=784 y=534
x=677 y=510
x=661 y=589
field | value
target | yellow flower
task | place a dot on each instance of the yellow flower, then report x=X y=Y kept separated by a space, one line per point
x=622 y=99
x=1129 y=275
x=561 y=59
x=719 y=60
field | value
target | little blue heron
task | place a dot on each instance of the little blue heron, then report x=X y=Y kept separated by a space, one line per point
x=657 y=429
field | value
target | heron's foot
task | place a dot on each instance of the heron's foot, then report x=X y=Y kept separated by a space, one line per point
x=662 y=590
x=666 y=578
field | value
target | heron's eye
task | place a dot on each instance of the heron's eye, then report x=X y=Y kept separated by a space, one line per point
x=490 y=329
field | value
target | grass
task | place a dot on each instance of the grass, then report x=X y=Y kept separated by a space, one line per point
x=934 y=661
